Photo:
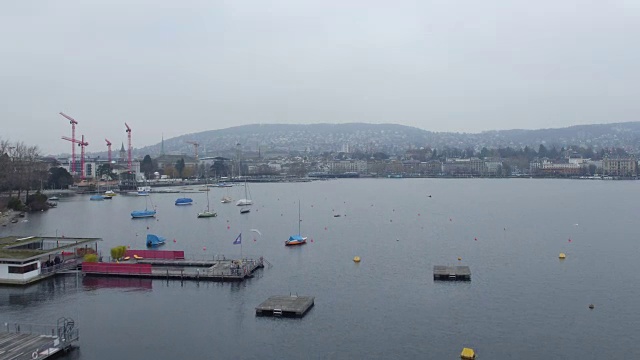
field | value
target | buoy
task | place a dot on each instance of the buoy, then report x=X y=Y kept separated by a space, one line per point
x=174 y=240
x=562 y=256
x=569 y=240
x=467 y=354
x=591 y=306
x=228 y=227
x=204 y=248
x=311 y=239
x=476 y=239
x=325 y=228
x=459 y=259
x=356 y=259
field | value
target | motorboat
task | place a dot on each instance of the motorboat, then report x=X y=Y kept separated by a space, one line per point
x=155 y=240
x=184 y=201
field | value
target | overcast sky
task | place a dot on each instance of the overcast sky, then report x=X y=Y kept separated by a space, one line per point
x=178 y=67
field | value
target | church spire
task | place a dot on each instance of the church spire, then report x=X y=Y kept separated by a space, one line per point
x=162 y=145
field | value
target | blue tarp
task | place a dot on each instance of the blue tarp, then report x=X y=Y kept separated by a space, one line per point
x=184 y=201
x=155 y=240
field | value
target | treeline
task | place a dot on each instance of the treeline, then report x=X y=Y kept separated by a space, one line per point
x=22 y=169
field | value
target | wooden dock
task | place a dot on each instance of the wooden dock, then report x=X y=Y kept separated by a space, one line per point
x=28 y=342
x=208 y=270
x=291 y=306
x=451 y=273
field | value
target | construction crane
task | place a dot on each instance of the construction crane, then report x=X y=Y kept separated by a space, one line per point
x=129 y=137
x=109 y=147
x=73 y=123
x=195 y=146
x=82 y=145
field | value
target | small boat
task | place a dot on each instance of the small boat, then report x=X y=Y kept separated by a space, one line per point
x=184 y=201
x=155 y=240
x=137 y=214
x=245 y=210
x=336 y=215
x=107 y=197
x=225 y=199
x=247 y=197
x=110 y=193
x=296 y=239
x=96 y=198
x=54 y=198
x=207 y=213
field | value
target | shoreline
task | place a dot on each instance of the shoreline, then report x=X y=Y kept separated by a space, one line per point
x=7 y=215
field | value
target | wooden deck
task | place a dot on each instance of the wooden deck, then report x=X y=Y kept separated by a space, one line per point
x=208 y=270
x=291 y=306
x=451 y=273
x=20 y=342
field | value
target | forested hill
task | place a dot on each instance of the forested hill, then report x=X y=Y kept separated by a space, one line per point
x=280 y=138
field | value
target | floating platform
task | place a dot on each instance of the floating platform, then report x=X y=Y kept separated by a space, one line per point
x=178 y=269
x=451 y=273
x=290 y=306
x=25 y=341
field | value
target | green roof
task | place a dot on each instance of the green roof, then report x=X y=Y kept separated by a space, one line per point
x=9 y=252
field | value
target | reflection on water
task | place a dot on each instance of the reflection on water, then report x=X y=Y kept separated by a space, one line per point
x=98 y=282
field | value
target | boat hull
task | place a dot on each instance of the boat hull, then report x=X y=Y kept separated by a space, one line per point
x=295 y=243
x=142 y=214
x=207 y=214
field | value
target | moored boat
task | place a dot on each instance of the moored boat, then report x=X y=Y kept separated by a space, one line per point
x=155 y=240
x=184 y=201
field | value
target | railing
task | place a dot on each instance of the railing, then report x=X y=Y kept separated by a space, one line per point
x=66 y=265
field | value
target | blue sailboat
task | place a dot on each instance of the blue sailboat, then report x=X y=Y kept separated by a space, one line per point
x=297 y=239
x=184 y=201
x=155 y=240
x=137 y=214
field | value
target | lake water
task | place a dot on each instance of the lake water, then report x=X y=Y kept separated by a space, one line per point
x=522 y=302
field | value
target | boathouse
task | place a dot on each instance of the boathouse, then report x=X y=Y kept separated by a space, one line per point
x=24 y=260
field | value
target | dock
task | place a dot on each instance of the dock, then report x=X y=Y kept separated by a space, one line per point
x=177 y=269
x=451 y=273
x=29 y=341
x=289 y=306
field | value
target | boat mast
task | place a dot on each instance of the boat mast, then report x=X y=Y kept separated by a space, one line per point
x=299 y=220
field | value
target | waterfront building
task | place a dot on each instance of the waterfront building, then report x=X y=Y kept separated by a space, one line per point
x=618 y=166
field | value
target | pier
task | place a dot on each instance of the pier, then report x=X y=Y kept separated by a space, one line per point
x=177 y=269
x=31 y=341
x=451 y=273
x=290 y=306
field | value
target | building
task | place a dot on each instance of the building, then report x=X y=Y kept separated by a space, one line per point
x=623 y=167
x=343 y=166
x=24 y=260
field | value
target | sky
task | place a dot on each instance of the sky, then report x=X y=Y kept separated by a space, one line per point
x=169 y=68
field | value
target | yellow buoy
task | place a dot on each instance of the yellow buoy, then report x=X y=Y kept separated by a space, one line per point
x=468 y=354
x=459 y=259
x=356 y=259
x=562 y=256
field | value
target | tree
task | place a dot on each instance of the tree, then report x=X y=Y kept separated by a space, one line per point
x=105 y=170
x=146 y=166
x=180 y=166
x=59 y=178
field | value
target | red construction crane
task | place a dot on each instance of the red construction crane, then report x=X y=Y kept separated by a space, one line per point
x=73 y=123
x=129 y=136
x=109 y=147
x=195 y=146
x=82 y=145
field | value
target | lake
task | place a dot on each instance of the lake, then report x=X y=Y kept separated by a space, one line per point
x=522 y=302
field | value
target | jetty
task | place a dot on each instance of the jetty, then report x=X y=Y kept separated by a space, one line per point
x=172 y=265
x=33 y=341
x=290 y=306
x=451 y=273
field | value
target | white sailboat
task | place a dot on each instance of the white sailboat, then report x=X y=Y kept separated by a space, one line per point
x=207 y=213
x=247 y=196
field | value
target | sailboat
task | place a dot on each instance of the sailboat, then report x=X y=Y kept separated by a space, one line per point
x=138 y=214
x=246 y=201
x=207 y=213
x=297 y=239
x=226 y=199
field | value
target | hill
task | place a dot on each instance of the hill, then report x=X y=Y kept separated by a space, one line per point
x=317 y=138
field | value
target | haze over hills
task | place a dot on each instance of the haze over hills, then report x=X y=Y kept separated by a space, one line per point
x=390 y=138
